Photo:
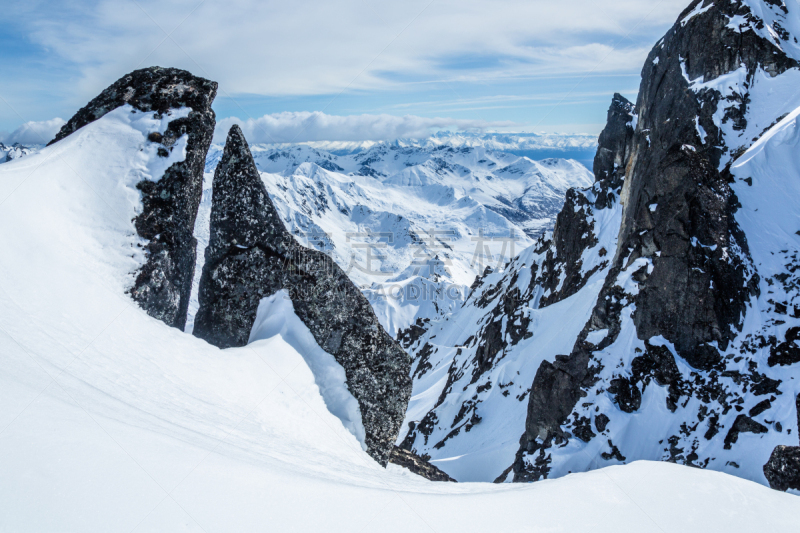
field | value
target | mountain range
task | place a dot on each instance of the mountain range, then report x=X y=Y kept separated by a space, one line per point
x=200 y=336
x=412 y=226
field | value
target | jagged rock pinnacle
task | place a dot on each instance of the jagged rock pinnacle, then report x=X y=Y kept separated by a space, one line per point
x=251 y=256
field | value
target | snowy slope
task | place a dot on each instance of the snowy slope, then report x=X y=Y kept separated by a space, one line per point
x=413 y=226
x=112 y=421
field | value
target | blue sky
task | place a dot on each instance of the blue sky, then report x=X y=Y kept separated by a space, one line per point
x=508 y=65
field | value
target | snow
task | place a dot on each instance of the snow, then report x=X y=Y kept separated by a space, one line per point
x=112 y=421
x=202 y=232
x=276 y=321
x=700 y=131
x=698 y=10
x=595 y=337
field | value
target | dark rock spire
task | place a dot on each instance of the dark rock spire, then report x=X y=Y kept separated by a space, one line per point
x=251 y=256
x=163 y=285
x=614 y=141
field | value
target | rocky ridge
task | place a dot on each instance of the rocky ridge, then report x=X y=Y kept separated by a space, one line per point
x=163 y=284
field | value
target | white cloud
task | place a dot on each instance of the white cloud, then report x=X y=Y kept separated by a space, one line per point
x=302 y=127
x=271 y=47
x=41 y=132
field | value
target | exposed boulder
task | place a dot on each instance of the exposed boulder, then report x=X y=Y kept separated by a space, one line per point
x=418 y=465
x=163 y=285
x=251 y=256
x=783 y=468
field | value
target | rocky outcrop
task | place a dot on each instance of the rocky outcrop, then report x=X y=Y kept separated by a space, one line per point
x=783 y=468
x=418 y=465
x=557 y=386
x=614 y=142
x=251 y=256
x=169 y=205
x=682 y=280
x=675 y=170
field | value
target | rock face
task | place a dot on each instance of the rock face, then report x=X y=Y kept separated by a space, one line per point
x=163 y=285
x=251 y=256
x=672 y=314
x=418 y=465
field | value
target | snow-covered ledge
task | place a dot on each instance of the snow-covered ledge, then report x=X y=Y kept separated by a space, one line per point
x=276 y=317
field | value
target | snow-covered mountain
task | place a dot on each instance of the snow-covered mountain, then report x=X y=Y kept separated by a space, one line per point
x=412 y=225
x=15 y=151
x=113 y=421
x=580 y=147
x=660 y=320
